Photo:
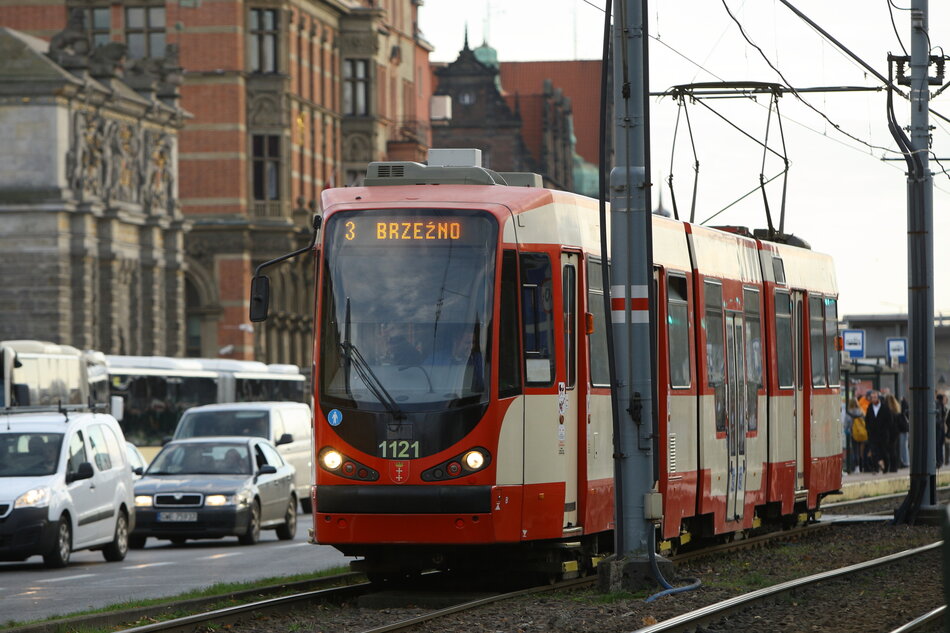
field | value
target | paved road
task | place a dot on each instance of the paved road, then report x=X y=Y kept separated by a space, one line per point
x=29 y=591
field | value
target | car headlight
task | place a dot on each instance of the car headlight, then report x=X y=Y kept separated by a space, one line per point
x=143 y=501
x=237 y=499
x=220 y=500
x=35 y=498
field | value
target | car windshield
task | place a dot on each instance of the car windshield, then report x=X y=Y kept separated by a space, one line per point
x=202 y=459
x=215 y=423
x=406 y=313
x=29 y=454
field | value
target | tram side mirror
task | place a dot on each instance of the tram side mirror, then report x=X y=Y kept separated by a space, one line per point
x=260 y=298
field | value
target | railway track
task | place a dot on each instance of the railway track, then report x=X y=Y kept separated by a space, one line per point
x=230 y=615
x=718 y=616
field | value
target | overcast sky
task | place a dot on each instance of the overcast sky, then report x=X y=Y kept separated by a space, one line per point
x=842 y=197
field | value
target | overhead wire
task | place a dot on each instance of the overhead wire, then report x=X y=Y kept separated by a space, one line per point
x=794 y=92
x=890 y=10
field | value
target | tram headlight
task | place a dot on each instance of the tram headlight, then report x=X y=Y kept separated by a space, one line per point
x=474 y=460
x=331 y=459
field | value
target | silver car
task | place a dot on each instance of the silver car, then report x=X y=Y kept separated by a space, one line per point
x=213 y=487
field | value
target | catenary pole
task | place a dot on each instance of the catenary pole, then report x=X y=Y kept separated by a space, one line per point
x=631 y=283
x=920 y=296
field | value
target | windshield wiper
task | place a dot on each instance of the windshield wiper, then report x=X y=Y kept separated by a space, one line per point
x=352 y=356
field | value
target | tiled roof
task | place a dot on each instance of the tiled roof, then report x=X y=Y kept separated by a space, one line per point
x=579 y=80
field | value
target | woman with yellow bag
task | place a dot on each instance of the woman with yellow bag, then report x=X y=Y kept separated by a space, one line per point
x=856 y=434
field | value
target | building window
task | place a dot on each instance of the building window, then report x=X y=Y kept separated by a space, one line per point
x=266 y=159
x=145 y=31
x=98 y=21
x=263 y=34
x=355 y=87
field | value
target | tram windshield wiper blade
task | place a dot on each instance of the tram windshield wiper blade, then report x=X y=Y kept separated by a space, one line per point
x=371 y=380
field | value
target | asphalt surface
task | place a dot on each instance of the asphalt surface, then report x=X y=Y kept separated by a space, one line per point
x=30 y=591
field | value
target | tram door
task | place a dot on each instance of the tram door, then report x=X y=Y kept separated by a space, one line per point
x=799 y=415
x=569 y=400
x=735 y=414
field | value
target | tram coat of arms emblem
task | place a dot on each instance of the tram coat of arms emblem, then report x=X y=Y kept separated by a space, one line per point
x=399 y=471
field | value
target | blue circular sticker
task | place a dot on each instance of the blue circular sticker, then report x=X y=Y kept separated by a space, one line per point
x=334 y=417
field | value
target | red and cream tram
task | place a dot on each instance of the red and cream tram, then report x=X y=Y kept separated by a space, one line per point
x=462 y=409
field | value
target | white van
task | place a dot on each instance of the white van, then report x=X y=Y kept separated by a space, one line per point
x=65 y=485
x=288 y=425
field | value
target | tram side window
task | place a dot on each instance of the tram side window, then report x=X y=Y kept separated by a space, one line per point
x=715 y=351
x=783 y=340
x=509 y=358
x=570 y=319
x=819 y=377
x=831 y=333
x=538 y=316
x=599 y=369
x=753 y=351
x=678 y=331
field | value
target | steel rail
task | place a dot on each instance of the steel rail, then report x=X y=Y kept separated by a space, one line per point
x=750 y=542
x=717 y=611
x=922 y=621
x=466 y=606
x=113 y=619
x=227 y=614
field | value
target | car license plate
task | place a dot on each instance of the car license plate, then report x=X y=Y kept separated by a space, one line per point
x=177 y=516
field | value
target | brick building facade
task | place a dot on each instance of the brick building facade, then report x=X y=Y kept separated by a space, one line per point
x=91 y=233
x=525 y=116
x=287 y=97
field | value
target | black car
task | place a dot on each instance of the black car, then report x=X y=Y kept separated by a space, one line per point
x=212 y=487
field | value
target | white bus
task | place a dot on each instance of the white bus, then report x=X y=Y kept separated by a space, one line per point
x=156 y=390
x=40 y=373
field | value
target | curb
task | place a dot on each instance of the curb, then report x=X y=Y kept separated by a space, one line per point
x=879 y=486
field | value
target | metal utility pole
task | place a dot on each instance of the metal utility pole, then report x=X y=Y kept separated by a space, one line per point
x=920 y=264
x=631 y=274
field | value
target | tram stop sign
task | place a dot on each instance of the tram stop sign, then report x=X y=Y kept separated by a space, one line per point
x=854 y=342
x=897 y=349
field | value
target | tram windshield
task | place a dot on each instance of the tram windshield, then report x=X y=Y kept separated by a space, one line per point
x=407 y=305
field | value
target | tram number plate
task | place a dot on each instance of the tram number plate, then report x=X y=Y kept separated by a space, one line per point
x=177 y=516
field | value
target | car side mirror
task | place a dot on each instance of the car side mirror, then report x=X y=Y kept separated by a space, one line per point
x=260 y=298
x=138 y=470
x=83 y=472
x=286 y=438
x=267 y=469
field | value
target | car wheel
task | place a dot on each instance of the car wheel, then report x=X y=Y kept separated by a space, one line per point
x=253 y=533
x=306 y=505
x=137 y=542
x=119 y=547
x=288 y=529
x=58 y=556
